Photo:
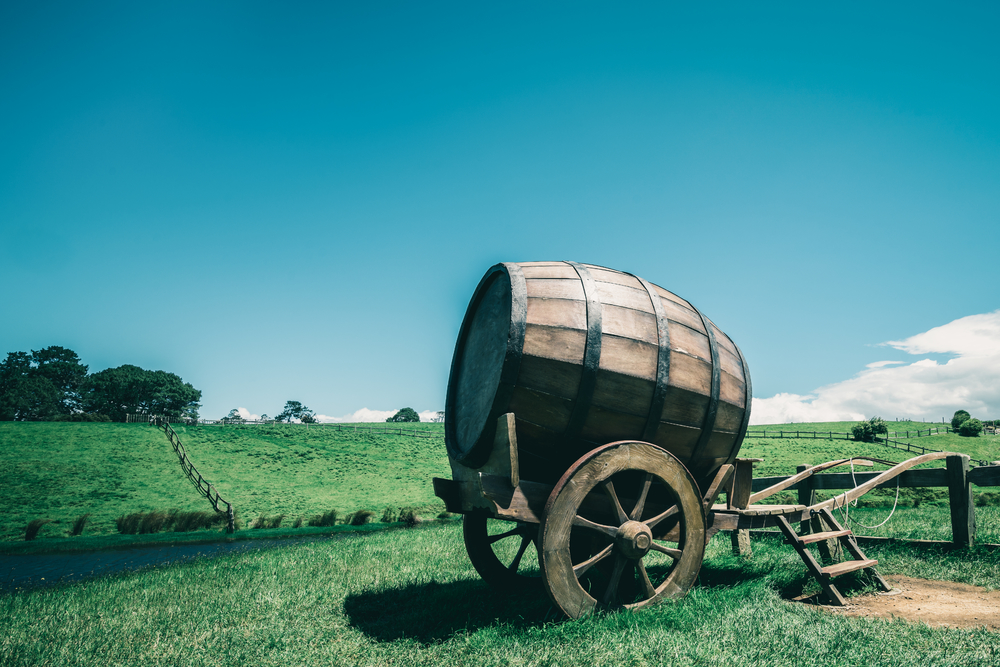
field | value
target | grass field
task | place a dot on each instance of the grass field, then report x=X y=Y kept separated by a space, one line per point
x=410 y=597
x=59 y=471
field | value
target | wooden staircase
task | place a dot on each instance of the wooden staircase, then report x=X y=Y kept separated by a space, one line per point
x=825 y=575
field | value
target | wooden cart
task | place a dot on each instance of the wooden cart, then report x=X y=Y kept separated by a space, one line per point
x=601 y=416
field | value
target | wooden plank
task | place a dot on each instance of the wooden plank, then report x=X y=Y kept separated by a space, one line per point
x=825 y=535
x=839 y=569
x=607 y=425
x=684 y=407
x=629 y=357
x=558 y=312
x=622 y=393
x=807 y=496
x=626 y=297
x=690 y=373
x=687 y=340
x=985 y=476
x=930 y=477
x=605 y=275
x=629 y=323
x=563 y=271
x=550 y=376
x=891 y=473
x=555 y=289
x=545 y=410
x=729 y=418
x=555 y=343
x=682 y=315
x=963 y=516
x=832 y=594
x=731 y=390
x=670 y=296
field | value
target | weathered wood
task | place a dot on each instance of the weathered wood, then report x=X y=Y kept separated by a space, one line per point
x=634 y=530
x=738 y=496
x=963 y=516
x=832 y=594
x=807 y=496
x=985 y=475
x=652 y=376
x=482 y=543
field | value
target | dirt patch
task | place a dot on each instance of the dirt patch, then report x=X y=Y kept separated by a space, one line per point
x=937 y=603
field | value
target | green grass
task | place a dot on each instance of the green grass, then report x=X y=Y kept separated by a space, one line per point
x=410 y=597
x=60 y=471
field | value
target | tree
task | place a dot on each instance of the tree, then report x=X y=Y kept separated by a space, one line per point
x=42 y=385
x=129 y=389
x=438 y=417
x=960 y=416
x=234 y=417
x=295 y=410
x=405 y=415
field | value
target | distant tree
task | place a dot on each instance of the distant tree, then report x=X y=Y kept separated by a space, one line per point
x=294 y=410
x=126 y=389
x=960 y=416
x=405 y=415
x=42 y=385
x=234 y=417
x=307 y=418
x=263 y=417
x=438 y=416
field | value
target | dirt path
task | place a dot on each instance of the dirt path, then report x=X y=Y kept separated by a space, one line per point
x=937 y=603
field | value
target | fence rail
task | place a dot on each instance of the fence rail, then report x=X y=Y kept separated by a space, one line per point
x=204 y=487
x=839 y=435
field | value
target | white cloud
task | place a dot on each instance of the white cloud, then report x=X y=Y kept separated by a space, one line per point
x=922 y=389
x=246 y=414
x=366 y=415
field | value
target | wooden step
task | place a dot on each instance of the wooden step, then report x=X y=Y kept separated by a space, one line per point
x=818 y=537
x=847 y=566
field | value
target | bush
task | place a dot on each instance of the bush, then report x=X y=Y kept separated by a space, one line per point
x=298 y=523
x=867 y=430
x=862 y=432
x=80 y=524
x=960 y=416
x=324 y=520
x=971 y=428
x=264 y=521
x=187 y=521
x=359 y=518
x=31 y=531
x=388 y=516
x=405 y=415
x=408 y=516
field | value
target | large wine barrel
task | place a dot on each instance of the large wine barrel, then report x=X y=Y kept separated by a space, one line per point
x=584 y=355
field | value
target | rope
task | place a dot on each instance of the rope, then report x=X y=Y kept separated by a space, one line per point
x=845 y=509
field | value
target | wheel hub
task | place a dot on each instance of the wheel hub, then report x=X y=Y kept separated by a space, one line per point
x=634 y=539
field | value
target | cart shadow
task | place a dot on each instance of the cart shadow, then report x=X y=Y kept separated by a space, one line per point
x=791 y=586
x=435 y=612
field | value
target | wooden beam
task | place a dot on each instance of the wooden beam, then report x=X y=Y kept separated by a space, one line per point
x=963 y=515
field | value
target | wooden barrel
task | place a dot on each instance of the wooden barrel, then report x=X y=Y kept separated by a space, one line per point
x=584 y=355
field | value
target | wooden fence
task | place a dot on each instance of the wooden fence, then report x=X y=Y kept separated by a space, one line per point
x=204 y=487
x=957 y=477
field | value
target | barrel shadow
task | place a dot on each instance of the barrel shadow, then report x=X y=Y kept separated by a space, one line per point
x=435 y=612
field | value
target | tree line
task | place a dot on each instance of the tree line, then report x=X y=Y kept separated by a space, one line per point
x=52 y=384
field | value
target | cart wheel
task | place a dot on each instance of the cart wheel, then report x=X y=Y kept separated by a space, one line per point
x=504 y=553
x=624 y=527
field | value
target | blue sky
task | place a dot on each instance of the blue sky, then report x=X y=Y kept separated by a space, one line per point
x=295 y=202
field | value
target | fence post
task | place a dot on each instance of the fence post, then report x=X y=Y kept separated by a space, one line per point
x=230 y=519
x=807 y=496
x=963 y=514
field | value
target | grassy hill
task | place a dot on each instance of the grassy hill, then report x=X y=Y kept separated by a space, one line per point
x=59 y=471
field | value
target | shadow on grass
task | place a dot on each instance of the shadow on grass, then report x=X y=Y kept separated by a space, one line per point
x=435 y=612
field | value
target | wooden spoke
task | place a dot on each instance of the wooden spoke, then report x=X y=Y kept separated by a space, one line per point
x=496 y=538
x=485 y=552
x=624 y=469
x=616 y=576
x=673 y=553
x=514 y=564
x=581 y=568
x=601 y=528
x=641 y=503
x=663 y=515
x=648 y=589
x=609 y=488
